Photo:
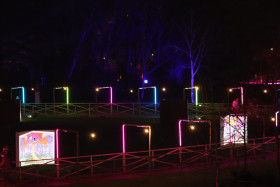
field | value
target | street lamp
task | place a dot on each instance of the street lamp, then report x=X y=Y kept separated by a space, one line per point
x=65 y=88
x=22 y=93
x=196 y=93
x=192 y=127
x=241 y=93
x=111 y=92
x=147 y=129
x=155 y=93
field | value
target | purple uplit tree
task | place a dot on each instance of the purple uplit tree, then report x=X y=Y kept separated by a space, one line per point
x=191 y=51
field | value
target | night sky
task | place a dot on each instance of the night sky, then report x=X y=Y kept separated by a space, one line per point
x=89 y=43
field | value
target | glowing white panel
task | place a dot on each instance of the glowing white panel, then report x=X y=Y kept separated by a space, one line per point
x=36 y=147
x=232 y=129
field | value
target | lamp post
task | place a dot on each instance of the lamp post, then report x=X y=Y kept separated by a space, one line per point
x=22 y=92
x=77 y=148
x=123 y=142
x=241 y=93
x=97 y=89
x=277 y=145
x=196 y=93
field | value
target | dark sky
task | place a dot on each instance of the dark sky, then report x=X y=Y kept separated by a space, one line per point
x=40 y=38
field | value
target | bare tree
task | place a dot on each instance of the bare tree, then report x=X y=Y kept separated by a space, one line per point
x=192 y=51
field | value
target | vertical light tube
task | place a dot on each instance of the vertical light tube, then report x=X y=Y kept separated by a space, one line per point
x=180 y=133
x=67 y=95
x=111 y=95
x=150 y=135
x=196 y=97
x=56 y=143
x=241 y=90
x=155 y=95
x=276 y=118
x=123 y=138
x=23 y=95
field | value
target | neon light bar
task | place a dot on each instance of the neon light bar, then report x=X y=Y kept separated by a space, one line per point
x=22 y=92
x=56 y=143
x=241 y=92
x=123 y=138
x=141 y=126
x=276 y=118
x=67 y=92
x=155 y=92
x=194 y=121
x=196 y=93
x=268 y=83
x=111 y=92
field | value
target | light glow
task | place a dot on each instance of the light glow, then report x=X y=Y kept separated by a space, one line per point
x=146 y=81
x=131 y=91
x=163 y=89
x=155 y=93
x=56 y=143
x=265 y=91
x=1 y=90
x=32 y=89
x=22 y=92
x=192 y=127
x=92 y=135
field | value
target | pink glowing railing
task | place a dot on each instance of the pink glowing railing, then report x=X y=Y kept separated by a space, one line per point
x=162 y=160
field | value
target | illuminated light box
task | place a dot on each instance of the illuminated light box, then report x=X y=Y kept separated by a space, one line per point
x=232 y=129
x=36 y=147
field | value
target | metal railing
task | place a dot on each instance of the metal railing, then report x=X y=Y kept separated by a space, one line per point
x=139 y=162
x=91 y=109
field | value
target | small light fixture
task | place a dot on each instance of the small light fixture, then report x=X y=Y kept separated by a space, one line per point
x=29 y=116
x=272 y=119
x=1 y=90
x=265 y=91
x=146 y=131
x=92 y=135
x=146 y=81
x=271 y=49
x=230 y=90
x=64 y=88
x=163 y=89
x=131 y=91
x=192 y=127
x=97 y=89
x=32 y=89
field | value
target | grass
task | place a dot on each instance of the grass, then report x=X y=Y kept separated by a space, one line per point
x=259 y=174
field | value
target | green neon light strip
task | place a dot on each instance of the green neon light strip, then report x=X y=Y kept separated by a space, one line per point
x=196 y=93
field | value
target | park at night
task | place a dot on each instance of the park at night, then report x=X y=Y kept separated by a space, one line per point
x=145 y=93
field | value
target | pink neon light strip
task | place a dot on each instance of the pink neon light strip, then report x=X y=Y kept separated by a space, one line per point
x=56 y=142
x=111 y=92
x=180 y=128
x=269 y=83
x=276 y=118
x=123 y=138
x=180 y=133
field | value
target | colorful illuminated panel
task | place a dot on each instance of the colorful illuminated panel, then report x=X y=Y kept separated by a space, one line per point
x=232 y=129
x=36 y=146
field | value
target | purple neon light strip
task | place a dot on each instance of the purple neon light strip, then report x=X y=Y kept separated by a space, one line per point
x=56 y=142
x=123 y=138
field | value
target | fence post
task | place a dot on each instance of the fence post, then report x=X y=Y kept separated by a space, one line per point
x=89 y=109
x=124 y=163
x=91 y=166
x=20 y=174
x=57 y=168
x=153 y=154
x=254 y=145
